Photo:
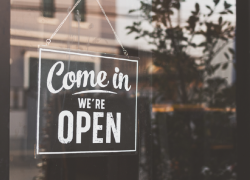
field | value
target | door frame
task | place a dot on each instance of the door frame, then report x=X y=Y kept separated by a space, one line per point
x=242 y=88
x=4 y=87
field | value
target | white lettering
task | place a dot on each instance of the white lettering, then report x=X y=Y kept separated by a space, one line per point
x=97 y=127
x=50 y=75
x=79 y=128
x=101 y=78
x=61 y=127
x=97 y=103
x=72 y=78
x=115 y=78
x=102 y=104
x=88 y=103
x=111 y=125
x=120 y=81
x=82 y=102
x=121 y=78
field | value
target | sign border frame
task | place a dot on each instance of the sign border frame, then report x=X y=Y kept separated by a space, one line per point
x=38 y=104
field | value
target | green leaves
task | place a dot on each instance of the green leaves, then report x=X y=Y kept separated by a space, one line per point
x=171 y=42
x=227 y=5
x=226 y=55
x=135 y=28
x=176 y=5
x=132 y=10
x=197 y=9
x=227 y=8
x=209 y=7
x=220 y=20
x=224 y=66
x=181 y=74
x=231 y=51
x=216 y=2
x=202 y=44
x=192 y=22
x=194 y=18
x=231 y=12
x=211 y=10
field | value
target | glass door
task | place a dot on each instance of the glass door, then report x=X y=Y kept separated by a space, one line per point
x=112 y=89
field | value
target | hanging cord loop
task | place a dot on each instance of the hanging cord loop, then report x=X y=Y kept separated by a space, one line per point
x=48 y=41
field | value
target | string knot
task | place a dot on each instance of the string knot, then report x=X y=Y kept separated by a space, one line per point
x=48 y=41
x=125 y=52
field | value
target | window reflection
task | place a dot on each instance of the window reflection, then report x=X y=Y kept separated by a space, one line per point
x=186 y=85
x=193 y=105
x=48 y=8
x=81 y=10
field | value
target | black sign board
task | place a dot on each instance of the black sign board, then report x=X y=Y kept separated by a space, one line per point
x=87 y=103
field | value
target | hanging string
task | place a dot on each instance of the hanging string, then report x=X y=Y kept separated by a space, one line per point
x=48 y=41
x=116 y=36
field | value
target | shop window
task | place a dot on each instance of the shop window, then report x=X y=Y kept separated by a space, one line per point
x=48 y=8
x=81 y=8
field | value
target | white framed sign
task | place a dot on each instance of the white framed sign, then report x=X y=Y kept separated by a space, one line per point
x=87 y=103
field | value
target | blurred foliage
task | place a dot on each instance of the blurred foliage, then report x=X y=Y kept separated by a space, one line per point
x=172 y=40
x=196 y=144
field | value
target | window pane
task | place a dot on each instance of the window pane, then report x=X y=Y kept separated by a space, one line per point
x=184 y=88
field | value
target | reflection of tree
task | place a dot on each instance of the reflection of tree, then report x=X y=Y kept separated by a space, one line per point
x=190 y=81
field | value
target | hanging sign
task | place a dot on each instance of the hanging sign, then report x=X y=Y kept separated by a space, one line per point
x=87 y=103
